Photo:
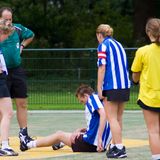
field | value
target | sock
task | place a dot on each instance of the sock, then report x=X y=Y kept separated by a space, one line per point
x=156 y=157
x=111 y=146
x=62 y=144
x=119 y=146
x=31 y=144
x=5 y=144
x=24 y=131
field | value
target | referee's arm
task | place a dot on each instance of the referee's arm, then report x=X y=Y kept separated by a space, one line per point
x=136 y=77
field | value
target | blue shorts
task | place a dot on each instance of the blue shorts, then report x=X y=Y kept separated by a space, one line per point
x=16 y=82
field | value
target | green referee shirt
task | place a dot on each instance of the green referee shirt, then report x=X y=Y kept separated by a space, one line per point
x=11 y=46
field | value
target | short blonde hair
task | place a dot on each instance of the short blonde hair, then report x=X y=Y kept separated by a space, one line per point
x=105 y=30
x=153 y=27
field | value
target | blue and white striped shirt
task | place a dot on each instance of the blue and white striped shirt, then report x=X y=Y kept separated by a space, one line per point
x=112 y=54
x=93 y=118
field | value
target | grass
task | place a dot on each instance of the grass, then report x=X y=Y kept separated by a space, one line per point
x=51 y=99
x=75 y=106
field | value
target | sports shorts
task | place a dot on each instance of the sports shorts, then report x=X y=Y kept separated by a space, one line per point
x=81 y=146
x=16 y=82
x=143 y=106
x=117 y=95
x=4 y=92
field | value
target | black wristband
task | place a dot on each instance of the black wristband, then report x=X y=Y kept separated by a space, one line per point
x=135 y=83
x=22 y=45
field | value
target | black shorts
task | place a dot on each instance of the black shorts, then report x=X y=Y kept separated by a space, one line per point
x=117 y=95
x=143 y=106
x=81 y=146
x=4 y=92
x=16 y=82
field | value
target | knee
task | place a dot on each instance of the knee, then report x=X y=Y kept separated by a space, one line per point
x=8 y=114
x=112 y=120
x=119 y=119
x=60 y=134
x=21 y=104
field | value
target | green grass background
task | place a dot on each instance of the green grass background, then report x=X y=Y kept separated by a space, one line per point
x=41 y=99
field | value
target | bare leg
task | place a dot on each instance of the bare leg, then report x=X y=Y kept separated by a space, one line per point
x=152 y=120
x=114 y=115
x=57 y=137
x=6 y=115
x=21 y=104
x=120 y=113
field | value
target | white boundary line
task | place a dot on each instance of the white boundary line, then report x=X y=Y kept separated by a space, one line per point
x=73 y=111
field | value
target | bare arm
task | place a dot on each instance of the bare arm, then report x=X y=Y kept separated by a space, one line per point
x=77 y=133
x=136 y=76
x=26 y=42
x=101 y=72
x=102 y=123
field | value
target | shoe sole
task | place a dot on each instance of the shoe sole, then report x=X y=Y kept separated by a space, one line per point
x=22 y=148
x=121 y=156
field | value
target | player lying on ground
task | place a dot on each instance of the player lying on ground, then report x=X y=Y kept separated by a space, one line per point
x=94 y=138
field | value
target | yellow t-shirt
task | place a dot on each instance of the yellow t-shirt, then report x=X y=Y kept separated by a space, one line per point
x=147 y=61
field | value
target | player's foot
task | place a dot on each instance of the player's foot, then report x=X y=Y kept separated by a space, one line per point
x=110 y=150
x=58 y=146
x=24 y=139
x=116 y=153
x=8 y=152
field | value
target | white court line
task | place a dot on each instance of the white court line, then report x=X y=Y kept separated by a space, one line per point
x=73 y=111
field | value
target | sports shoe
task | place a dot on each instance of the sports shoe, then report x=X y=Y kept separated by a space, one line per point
x=110 y=150
x=8 y=152
x=24 y=139
x=117 y=153
x=58 y=146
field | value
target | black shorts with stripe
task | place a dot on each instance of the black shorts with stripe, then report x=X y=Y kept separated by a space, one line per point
x=117 y=95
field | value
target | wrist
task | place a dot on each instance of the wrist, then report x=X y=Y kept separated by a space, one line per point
x=22 y=45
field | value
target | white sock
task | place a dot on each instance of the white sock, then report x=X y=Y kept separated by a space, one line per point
x=155 y=156
x=111 y=146
x=5 y=144
x=31 y=144
x=62 y=144
x=119 y=146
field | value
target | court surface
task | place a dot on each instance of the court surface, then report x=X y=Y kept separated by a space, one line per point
x=43 y=123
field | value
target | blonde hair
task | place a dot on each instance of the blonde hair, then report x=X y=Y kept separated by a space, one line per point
x=153 y=27
x=105 y=30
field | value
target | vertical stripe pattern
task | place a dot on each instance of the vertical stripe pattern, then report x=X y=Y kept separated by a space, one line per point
x=93 y=118
x=116 y=75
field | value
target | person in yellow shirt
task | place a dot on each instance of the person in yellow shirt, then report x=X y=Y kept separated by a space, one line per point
x=146 y=71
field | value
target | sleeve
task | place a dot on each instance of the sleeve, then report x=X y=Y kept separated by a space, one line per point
x=26 y=33
x=137 y=62
x=101 y=51
x=96 y=103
